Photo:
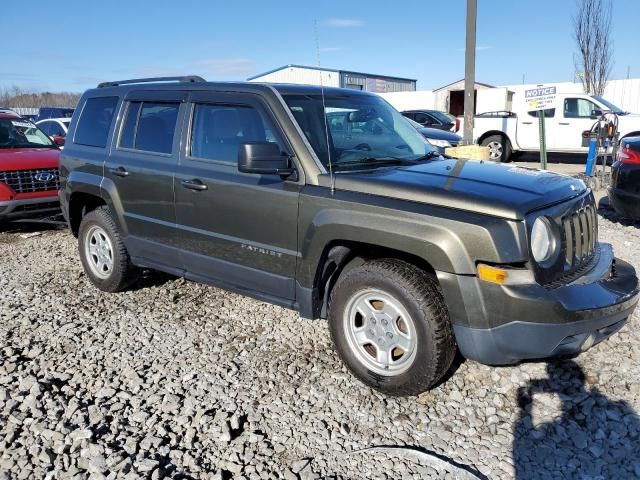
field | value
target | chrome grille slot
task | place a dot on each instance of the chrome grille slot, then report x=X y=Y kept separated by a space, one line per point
x=29 y=181
x=580 y=231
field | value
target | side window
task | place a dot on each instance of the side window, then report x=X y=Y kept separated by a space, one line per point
x=218 y=130
x=127 y=135
x=336 y=122
x=548 y=113
x=95 y=121
x=56 y=129
x=149 y=126
x=578 y=108
x=46 y=127
x=422 y=118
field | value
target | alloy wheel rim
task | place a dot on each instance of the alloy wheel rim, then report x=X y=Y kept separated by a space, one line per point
x=380 y=332
x=495 y=150
x=99 y=252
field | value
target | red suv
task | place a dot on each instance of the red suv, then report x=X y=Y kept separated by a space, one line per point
x=28 y=169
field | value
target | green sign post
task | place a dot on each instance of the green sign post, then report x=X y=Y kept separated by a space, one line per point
x=539 y=99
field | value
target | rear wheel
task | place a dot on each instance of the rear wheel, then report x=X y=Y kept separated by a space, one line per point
x=390 y=326
x=499 y=148
x=102 y=252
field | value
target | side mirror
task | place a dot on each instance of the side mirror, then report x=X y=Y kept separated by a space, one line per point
x=596 y=113
x=58 y=140
x=264 y=158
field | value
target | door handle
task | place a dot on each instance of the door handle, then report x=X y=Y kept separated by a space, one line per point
x=564 y=123
x=119 y=172
x=527 y=123
x=194 y=184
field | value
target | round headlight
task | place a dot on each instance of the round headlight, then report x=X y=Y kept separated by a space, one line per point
x=543 y=241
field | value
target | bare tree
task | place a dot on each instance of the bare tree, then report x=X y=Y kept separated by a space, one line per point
x=15 y=96
x=592 y=32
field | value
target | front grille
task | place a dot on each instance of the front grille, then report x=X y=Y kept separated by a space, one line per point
x=580 y=231
x=28 y=181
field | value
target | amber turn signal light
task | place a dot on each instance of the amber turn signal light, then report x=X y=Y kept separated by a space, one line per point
x=492 y=274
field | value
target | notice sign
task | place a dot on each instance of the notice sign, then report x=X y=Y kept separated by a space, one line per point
x=540 y=98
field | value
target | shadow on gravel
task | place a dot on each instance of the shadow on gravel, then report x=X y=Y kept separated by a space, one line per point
x=593 y=438
x=31 y=226
x=606 y=211
x=151 y=278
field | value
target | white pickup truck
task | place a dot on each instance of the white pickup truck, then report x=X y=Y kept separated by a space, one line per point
x=508 y=133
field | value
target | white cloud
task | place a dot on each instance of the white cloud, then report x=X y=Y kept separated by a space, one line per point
x=344 y=23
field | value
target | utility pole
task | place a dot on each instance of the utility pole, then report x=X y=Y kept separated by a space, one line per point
x=470 y=72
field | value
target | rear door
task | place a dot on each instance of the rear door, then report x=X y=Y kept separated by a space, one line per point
x=528 y=132
x=141 y=168
x=236 y=229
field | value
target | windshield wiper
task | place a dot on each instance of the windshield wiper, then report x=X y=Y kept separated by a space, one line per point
x=372 y=161
x=428 y=156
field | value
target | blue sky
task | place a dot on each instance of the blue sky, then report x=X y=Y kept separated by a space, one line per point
x=75 y=44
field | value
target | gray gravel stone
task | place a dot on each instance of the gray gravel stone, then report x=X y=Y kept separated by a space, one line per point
x=184 y=380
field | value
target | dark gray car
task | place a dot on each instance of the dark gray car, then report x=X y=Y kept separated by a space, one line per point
x=440 y=139
x=329 y=202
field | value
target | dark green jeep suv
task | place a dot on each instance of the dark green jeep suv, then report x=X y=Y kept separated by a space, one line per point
x=329 y=202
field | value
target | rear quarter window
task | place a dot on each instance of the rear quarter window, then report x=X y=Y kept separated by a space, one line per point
x=95 y=121
x=149 y=126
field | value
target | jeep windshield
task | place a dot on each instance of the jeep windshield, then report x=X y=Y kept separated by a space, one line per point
x=21 y=133
x=357 y=131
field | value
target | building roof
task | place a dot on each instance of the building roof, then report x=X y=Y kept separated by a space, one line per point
x=322 y=69
x=462 y=80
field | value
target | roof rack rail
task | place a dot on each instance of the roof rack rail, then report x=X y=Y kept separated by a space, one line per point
x=186 y=79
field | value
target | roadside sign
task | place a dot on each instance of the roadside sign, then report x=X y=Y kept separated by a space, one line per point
x=540 y=98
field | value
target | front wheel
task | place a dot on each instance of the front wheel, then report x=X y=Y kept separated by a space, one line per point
x=499 y=148
x=390 y=326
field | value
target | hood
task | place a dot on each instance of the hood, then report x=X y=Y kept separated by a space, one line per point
x=439 y=134
x=628 y=123
x=500 y=190
x=28 y=158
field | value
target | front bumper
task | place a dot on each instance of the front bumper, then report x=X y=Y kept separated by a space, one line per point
x=499 y=325
x=28 y=207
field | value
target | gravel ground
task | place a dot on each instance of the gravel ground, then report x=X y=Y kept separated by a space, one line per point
x=180 y=380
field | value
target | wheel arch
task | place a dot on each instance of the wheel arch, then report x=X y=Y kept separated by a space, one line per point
x=81 y=203
x=340 y=256
x=490 y=133
x=84 y=192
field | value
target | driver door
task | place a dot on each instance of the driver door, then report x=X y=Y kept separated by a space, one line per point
x=577 y=116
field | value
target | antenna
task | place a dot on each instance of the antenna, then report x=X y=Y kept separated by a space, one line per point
x=332 y=177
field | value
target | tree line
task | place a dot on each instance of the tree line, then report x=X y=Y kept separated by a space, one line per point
x=16 y=96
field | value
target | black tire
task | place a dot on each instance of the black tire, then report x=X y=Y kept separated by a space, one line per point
x=421 y=296
x=504 y=145
x=123 y=273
